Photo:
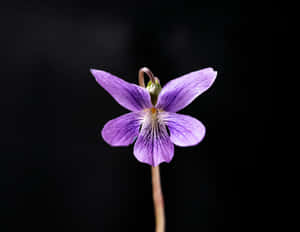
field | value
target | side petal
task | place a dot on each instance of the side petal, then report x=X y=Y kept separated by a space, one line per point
x=184 y=130
x=153 y=145
x=123 y=130
x=180 y=92
x=128 y=95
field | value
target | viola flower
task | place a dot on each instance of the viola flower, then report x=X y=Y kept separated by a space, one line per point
x=153 y=121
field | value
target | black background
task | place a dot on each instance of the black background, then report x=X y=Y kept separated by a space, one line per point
x=56 y=172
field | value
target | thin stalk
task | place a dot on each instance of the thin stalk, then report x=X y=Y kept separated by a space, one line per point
x=158 y=200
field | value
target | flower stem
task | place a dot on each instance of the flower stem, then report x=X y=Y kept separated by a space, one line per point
x=158 y=200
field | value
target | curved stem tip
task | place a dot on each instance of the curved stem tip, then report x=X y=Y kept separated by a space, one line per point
x=141 y=76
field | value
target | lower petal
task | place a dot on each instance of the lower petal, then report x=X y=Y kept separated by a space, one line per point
x=184 y=130
x=153 y=145
x=123 y=130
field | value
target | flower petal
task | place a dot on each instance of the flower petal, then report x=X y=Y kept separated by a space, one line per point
x=128 y=95
x=180 y=92
x=184 y=130
x=153 y=145
x=123 y=130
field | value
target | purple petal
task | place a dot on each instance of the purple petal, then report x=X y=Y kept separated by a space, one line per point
x=123 y=130
x=180 y=92
x=130 y=96
x=184 y=130
x=153 y=145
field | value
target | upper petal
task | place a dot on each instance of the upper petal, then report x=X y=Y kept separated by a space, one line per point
x=180 y=92
x=153 y=145
x=128 y=95
x=123 y=130
x=184 y=130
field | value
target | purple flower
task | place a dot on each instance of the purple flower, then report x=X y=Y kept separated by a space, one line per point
x=149 y=122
